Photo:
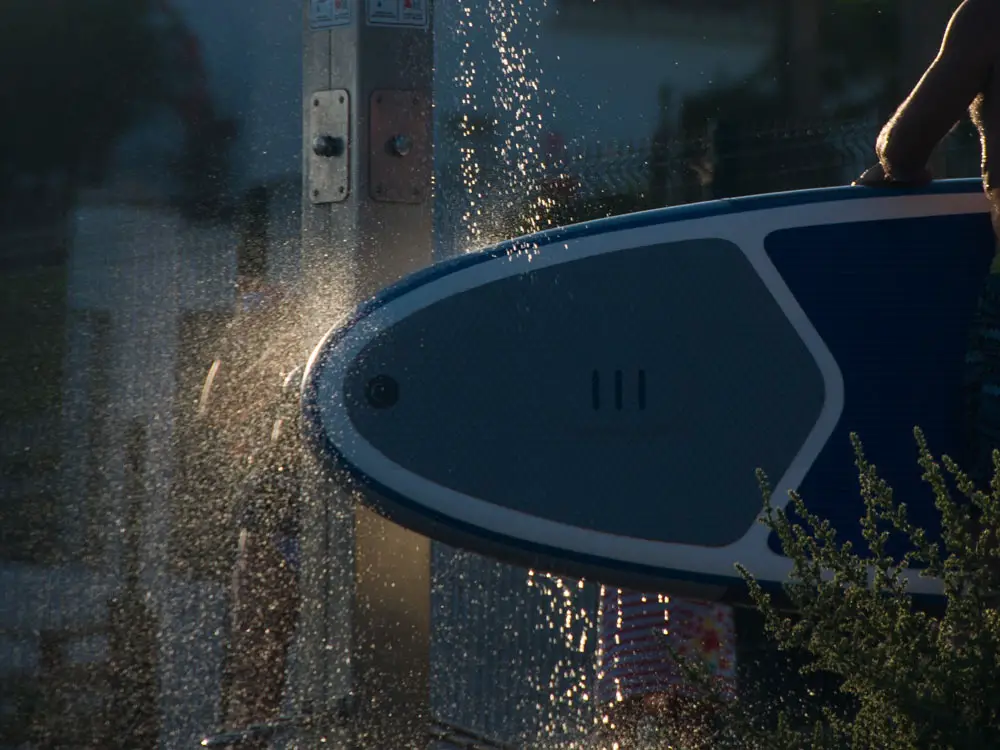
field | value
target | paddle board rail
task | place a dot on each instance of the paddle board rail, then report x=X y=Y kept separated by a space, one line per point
x=390 y=410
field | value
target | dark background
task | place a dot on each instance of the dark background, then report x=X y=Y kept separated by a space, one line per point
x=149 y=182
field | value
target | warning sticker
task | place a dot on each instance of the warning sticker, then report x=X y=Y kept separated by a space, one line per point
x=325 y=14
x=411 y=13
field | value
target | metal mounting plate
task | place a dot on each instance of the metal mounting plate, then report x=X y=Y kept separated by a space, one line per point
x=395 y=177
x=329 y=176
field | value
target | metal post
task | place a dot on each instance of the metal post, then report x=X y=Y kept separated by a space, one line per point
x=367 y=221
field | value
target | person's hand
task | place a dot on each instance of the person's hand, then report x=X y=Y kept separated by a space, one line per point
x=871 y=177
x=875 y=176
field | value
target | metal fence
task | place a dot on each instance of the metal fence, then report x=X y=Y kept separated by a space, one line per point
x=728 y=160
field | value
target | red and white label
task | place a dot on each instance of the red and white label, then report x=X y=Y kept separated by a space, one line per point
x=409 y=13
x=325 y=14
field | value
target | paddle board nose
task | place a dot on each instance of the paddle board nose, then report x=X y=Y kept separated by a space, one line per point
x=594 y=391
x=595 y=400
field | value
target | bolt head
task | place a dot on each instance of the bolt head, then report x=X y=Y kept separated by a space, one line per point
x=328 y=146
x=402 y=145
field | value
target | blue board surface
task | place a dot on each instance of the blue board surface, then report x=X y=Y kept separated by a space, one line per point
x=898 y=330
x=595 y=399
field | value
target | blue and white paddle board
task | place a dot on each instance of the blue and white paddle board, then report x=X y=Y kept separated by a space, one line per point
x=595 y=399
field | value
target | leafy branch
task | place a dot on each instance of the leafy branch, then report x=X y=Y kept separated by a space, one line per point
x=912 y=677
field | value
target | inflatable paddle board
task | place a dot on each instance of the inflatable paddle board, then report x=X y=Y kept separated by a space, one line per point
x=595 y=399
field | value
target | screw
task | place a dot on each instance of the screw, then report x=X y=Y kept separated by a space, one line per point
x=340 y=189
x=402 y=145
x=341 y=99
x=315 y=102
x=328 y=145
x=315 y=193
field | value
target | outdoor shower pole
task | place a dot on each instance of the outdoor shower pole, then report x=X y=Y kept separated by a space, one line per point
x=366 y=221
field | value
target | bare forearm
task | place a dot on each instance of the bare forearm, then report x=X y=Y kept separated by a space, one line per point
x=905 y=145
x=943 y=95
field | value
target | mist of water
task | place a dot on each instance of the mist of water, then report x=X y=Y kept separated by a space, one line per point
x=503 y=120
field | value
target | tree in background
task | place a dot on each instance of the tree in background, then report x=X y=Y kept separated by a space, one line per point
x=81 y=75
x=809 y=115
x=806 y=117
x=203 y=162
x=797 y=121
